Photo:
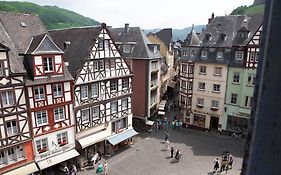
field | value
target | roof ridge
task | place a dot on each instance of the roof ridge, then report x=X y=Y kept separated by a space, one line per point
x=71 y=28
x=20 y=13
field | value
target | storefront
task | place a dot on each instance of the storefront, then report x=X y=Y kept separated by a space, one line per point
x=26 y=169
x=199 y=120
x=234 y=123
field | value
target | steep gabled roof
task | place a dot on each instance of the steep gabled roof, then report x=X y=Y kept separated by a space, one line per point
x=16 y=65
x=136 y=35
x=80 y=39
x=21 y=28
x=230 y=25
x=166 y=35
x=192 y=39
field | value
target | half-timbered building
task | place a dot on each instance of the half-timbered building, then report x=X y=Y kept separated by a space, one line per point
x=49 y=90
x=144 y=58
x=103 y=88
x=16 y=151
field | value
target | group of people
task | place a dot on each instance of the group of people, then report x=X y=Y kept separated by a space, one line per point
x=174 y=124
x=176 y=153
x=71 y=171
x=225 y=165
x=101 y=168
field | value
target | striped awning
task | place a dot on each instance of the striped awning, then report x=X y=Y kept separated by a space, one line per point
x=161 y=113
x=23 y=170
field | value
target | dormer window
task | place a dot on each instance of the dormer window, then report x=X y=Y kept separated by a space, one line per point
x=155 y=49
x=126 y=48
x=204 y=54
x=243 y=35
x=208 y=36
x=219 y=55
x=103 y=44
x=48 y=64
x=239 y=55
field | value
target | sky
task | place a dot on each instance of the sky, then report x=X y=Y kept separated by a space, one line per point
x=149 y=14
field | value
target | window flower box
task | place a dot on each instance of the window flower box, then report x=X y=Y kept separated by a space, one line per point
x=42 y=150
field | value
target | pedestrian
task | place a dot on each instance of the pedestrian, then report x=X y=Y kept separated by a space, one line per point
x=172 y=152
x=177 y=124
x=66 y=170
x=166 y=136
x=216 y=165
x=177 y=156
x=167 y=145
x=173 y=124
x=94 y=159
x=105 y=167
x=73 y=170
x=99 y=155
x=157 y=125
x=230 y=163
x=99 y=169
x=180 y=124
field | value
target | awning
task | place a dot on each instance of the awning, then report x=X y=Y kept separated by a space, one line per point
x=161 y=113
x=162 y=108
x=57 y=159
x=149 y=122
x=24 y=170
x=92 y=139
x=115 y=139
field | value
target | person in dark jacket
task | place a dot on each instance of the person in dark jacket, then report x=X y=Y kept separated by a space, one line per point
x=172 y=152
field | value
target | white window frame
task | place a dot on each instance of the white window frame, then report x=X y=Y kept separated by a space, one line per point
x=57 y=90
x=2 y=70
x=200 y=101
x=59 y=114
x=2 y=158
x=252 y=56
x=251 y=80
x=85 y=118
x=218 y=71
x=126 y=48
x=203 y=70
x=101 y=65
x=216 y=88
x=95 y=112
x=39 y=93
x=41 y=144
x=62 y=138
x=201 y=86
x=239 y=55
x=125 y=83
x=113 y=107
x=219 y=55
x=233 y=98
x=96 y=65
x=13 y=129
x=113 y=85
x=95 y=89
x=248 y=101
x=7 y=98
x=12 y=157
x=124 y=103
x=204 y=54
x=84 y=92
x=49 y=62
x=41 y=116
x=20 y=152
x=215 y=104
x=184 y=68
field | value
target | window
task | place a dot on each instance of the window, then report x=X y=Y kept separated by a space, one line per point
x=59 y=114
x=41 y=118
x=248 y=101
x=233 y=123
x=216 y=87
x=184 y=68
x=119 y=125
x=2 y=158
x=239 y=55
x=233 y=99
x=243 y=35
x=183 y=84
x=106 y=44
x=85 y=115
x=204 y=54
x=41 y=145
x=113 y=85
x=62 y=138
x=124 y=103
x=12 y=155
x=96 y=65
x=203 y=70
x=200 y=101
x=155 y=49
x=215 y=104
x=199 y=120
x=39 y=93
x=218 y=71
x=48 y=64
x=152 y=100
x=189 y=85
x=236 y=77
x=154 y=66
x=7 y=98
x=84 y=92
x=20 y=152
x=252 y=57
x=125 y=83
x=219 y=55
x=201 y=86
x=12 y=127
x=113 y=107
x=184 y=52
x=2 y=72
x=192 y=53
x=126 y=48
x=251 y=79
x=101 y=65
x=96 y=112
x=57 y=89
x=95 y=89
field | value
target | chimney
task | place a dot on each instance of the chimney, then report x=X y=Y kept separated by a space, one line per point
x=66 y=44
x=126 y=27
x=211 y=19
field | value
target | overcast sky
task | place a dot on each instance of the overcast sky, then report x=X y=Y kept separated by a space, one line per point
x=149 y=14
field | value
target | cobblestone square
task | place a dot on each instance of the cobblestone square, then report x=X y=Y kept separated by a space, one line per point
x=199 y=149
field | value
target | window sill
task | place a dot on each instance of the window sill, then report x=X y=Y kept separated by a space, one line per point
x=250 y=85
x=12 y=135
x=202 y=73
x=234 y=83
x=40 y=125
x=9 y=106
x=203 y=90
x=214 y=108
x=58 y=96
x=39 y=100
x=217 y=92
x=200 y=106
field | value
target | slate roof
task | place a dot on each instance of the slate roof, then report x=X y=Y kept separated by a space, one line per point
x=81 y=40
x=16 y=65
x=21 y=28
x=134 y=34
x=192 y=39
x=229 y=26
x=166 y=36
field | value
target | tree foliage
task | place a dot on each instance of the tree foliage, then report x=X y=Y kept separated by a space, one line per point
x=52 y=17
x=247 y=10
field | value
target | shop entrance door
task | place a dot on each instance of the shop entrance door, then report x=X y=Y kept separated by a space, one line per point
x=214 y=123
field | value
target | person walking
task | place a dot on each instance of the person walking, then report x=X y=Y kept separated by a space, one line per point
x=105 y=167
x=172 y=152
x=216 y=165
x=73 y=170
x=166 y=136
x=177 y=156
x=99 y=169
x=230 y=163
x=167 y=145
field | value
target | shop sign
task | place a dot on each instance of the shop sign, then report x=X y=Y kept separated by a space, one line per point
x=57 y=150
x=206 y=113
x=240 y=114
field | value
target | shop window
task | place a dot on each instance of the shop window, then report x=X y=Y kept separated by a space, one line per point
x=235 y=123
x=199 y=120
